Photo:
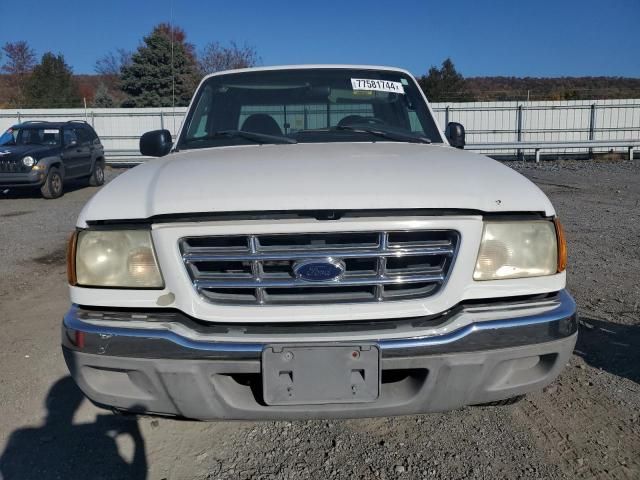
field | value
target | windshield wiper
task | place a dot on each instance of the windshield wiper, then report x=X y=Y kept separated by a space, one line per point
x=403 y=137
x=253 y=136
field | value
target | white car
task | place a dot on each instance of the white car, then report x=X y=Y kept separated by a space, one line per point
x=311 y=245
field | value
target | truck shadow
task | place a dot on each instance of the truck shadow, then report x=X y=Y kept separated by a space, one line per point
x=61 y=449
x=612 y=347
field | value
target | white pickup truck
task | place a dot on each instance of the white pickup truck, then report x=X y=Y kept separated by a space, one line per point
x=312 y=245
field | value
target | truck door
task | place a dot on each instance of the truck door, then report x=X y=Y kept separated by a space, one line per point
x=85 y=144
x=71 y=152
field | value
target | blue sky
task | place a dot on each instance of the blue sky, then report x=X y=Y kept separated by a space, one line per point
x=533 y=38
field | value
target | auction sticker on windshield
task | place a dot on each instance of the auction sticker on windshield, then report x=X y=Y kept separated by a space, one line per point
x=377 y=85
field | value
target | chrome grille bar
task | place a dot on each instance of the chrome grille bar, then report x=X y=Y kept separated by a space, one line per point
x=381 y=264
x=256 y=268
x=304 y=254
x=378 y=266
x=294 y=282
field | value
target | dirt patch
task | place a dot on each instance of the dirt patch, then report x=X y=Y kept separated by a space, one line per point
x=56 y=257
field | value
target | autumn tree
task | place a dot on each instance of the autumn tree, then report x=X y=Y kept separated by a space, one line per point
x=162 y=71
x=216 y=57
x=51 y=84
x=18 y=64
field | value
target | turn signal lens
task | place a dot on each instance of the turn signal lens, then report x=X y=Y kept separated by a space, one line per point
x=71 y=258
x=562 y=245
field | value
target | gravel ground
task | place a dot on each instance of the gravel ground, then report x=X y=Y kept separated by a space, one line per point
x=34 y=231
x=585 y=425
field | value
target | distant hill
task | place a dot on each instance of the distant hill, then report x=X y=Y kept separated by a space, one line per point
x=560 y=88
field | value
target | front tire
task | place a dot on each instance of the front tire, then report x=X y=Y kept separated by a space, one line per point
x=97 y=176
x=53 y=184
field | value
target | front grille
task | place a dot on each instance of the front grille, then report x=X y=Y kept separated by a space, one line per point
x=12 y=166
x=378 y=266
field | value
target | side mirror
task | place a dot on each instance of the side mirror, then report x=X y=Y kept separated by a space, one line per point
x=156 y=143
x=71 y=144
x=455 y=134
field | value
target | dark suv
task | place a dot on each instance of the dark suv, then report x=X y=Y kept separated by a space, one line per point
x=46 y=154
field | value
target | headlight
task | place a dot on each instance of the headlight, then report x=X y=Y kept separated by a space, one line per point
x=125 y=259
x=517 y=249
x=28 y=161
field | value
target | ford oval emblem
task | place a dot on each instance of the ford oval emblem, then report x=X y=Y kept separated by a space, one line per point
x=319 y=270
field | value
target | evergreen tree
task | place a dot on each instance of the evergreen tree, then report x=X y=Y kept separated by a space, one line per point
x=51 y=85
x=444 y=84
x=102 y=99
x=163 y=68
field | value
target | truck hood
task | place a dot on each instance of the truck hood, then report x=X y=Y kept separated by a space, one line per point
x=330 y=176
x=18 y=152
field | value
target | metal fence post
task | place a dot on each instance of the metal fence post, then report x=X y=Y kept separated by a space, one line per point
x=592 y=127
x=161 y=120
x=19 y=118
x=446 y=116
x=519 y=131
x=93 y=119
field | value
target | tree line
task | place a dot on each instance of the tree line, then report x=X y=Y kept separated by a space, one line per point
x=446 y=84
x=163 y=71
x=166 y=68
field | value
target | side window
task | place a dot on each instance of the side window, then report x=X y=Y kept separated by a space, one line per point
x=91 y=134
x=416 y=126
x=198 y=125
x=83 y=136
x=69 y=136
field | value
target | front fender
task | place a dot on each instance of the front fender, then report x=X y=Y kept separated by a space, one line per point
x=46 y=163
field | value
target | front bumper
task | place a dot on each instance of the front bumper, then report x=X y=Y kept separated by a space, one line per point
x=33 y=178
x=165 y=363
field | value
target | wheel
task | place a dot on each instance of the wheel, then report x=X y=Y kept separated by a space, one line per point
x=501 y=403
x=53 y=184
x=97 y=176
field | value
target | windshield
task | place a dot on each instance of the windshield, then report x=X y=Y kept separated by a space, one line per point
x=8 y=137
x=30 y=136
x=308 y=106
